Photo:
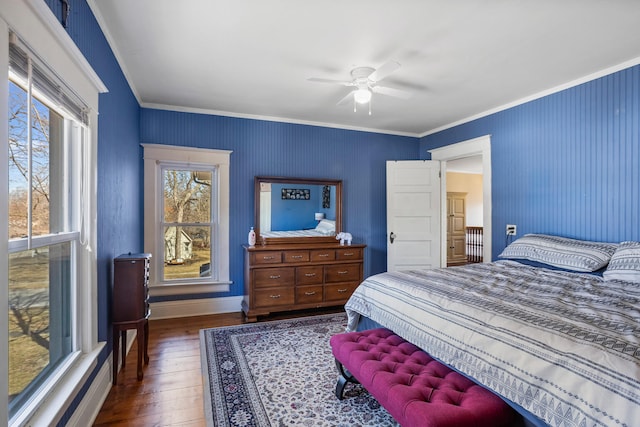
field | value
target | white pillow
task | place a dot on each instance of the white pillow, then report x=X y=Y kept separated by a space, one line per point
x=625 y=263
x=570 y=254
x=326 y=226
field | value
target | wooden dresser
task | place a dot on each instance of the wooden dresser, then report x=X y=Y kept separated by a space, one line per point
x=299 y=276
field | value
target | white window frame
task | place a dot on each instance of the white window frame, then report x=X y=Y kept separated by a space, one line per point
x=157 y=156
x=36 y=25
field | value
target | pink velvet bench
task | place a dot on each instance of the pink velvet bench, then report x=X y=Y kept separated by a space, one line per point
x=416 y=389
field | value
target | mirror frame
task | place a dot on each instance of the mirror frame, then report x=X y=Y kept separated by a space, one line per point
x=292 y=180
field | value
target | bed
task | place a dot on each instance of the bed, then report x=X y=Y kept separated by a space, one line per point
x=553 y=328
x=324 y=228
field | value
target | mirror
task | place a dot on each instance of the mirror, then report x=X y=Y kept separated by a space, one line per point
x=297 y=210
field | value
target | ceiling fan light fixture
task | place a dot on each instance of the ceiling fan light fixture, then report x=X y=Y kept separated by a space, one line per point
x=362 y=96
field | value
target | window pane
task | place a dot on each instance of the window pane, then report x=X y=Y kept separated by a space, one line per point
x=46 y=143
x=18 y=159
x=189 y=255
x=187 y=196
x=39 y=316
x=40 y=168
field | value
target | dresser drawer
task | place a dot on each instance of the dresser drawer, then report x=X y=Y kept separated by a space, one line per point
x=296 y=256
x=285 y=276
x=323 y=255
x=308 y=294
x=348 y=253
x=267 y=257
x=339 y=292
x=309 y=275
x=342 y=273
x=274 y=297
x=263 y=277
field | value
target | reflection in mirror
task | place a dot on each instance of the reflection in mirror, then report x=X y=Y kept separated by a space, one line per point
x=287 y=207
x=293 y=208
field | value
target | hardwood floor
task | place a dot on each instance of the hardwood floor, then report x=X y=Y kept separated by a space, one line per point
x=171 y=392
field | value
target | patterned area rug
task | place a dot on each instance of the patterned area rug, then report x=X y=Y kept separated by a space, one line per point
x=281 y=373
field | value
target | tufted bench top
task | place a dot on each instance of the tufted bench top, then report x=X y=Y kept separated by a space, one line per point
x=416 y=389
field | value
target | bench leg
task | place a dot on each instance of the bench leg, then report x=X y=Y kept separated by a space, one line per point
x=345 y=377
x=342 y=382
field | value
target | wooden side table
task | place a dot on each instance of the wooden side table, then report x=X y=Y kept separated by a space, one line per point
x=131 y=307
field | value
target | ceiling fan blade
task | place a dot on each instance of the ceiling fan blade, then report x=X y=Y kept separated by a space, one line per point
x=396 y=93
x=346 y=99
x=382 y=72
x=339 y=82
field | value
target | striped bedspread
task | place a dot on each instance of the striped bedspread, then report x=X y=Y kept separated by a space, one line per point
x=564 y=346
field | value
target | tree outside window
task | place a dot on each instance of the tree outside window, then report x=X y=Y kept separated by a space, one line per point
x=39 y=269
x=188 y=224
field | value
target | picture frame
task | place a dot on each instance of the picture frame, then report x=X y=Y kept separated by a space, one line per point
x=295 y=194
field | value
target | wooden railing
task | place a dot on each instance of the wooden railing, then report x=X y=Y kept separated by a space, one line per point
x=475 y=244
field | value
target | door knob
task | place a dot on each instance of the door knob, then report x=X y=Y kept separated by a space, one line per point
x=392 y=237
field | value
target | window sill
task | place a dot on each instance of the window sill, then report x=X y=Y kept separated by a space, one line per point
x=57 y=399
x=188 y=288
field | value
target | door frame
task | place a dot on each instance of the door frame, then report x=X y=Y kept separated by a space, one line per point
x=472 y=147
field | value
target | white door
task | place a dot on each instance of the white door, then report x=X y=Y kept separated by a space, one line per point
x=413 y=215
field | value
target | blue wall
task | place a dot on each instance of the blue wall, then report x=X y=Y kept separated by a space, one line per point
x=566 y=164
x=267 y=148
x=120 y=172
x=120 y=208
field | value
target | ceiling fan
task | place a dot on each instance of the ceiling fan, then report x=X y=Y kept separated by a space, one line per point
x=365 y=83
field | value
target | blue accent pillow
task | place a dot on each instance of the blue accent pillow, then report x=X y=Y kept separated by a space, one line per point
x=537 y=264
x=625 y=263
x=562 y=252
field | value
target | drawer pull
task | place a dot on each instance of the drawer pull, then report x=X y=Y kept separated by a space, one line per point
x=342 y=291
x=277 y=276
x=267 y=257
x=275 y=296
x=343 y=272
x=296 y=256
x=348 y=254
x=323 y=255
x=309 y=293
x=309 y=274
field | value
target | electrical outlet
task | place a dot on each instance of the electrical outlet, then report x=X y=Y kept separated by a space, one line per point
x=511 y=229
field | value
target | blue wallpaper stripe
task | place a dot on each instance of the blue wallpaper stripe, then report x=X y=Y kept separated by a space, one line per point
x=280 y=149
x=120 y=209
x=565 y=164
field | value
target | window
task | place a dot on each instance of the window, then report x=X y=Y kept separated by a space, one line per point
x=47 y=248
x=187 y=224
x=186 y=219
x=42 y=238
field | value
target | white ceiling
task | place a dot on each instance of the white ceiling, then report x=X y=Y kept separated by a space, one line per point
x=472 y=164
x=460 y=58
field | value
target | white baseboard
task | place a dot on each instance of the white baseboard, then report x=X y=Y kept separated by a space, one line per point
x=88 y=409
x=195 y=307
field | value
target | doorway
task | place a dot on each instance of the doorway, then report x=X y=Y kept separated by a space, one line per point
x=464 y=179
x=477 y=152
